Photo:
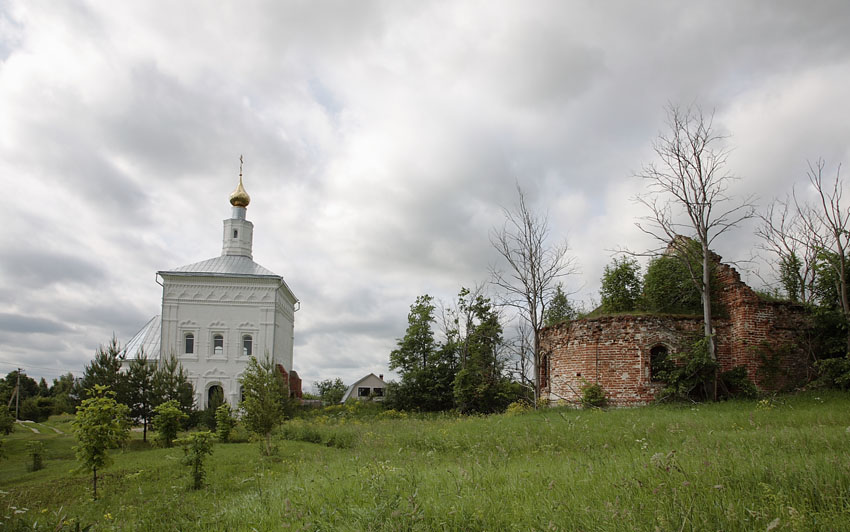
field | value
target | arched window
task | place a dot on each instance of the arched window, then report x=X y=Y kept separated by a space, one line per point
x=218 y=344
x=658 y=362
x=190 y=343
x=247 y=345
x=235 y=233
x=544 y=371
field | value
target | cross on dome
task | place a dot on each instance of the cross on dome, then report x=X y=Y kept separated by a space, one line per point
x=240 y=198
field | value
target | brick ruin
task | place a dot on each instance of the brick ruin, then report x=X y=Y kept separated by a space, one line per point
x=616 y=351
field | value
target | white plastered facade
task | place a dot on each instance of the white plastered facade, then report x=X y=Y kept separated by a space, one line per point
x=217 y=312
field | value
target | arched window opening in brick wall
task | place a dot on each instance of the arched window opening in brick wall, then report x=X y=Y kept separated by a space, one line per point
x=658 y=356
x=544 y=371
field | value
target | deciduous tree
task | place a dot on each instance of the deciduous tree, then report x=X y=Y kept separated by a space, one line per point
x=167 y=420
x=621 y=286
x=101 y=423
x=811 y=236
x=785 y=234
x=480 y=385
x=531 y=265
x=67 y=394
x=196 y=447
x=417 y=347
x=688 y=195
x=427 y=368
x=331 y=391
x=668 y=287
x=7 y=420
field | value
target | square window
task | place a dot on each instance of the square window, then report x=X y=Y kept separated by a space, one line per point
x=363 y=391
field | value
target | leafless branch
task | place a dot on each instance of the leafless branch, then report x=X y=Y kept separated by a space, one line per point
x=531 y=267
x=687 y=194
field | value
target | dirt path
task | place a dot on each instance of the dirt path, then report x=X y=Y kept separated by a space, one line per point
x=26 y=424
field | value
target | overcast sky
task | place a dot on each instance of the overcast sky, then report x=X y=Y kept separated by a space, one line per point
x=381 y=142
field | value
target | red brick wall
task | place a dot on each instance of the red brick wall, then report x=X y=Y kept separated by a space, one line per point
x=762 y=328
x=614 y=351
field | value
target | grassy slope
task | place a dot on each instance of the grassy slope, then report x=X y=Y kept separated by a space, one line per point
x=730 y=466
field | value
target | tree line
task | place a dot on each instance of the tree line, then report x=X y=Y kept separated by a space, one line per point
x=464 y=369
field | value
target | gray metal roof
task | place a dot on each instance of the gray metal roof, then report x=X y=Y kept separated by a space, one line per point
x=225 y=265
x=148 y=339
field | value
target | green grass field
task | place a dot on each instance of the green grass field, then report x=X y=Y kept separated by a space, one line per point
x=727 y=466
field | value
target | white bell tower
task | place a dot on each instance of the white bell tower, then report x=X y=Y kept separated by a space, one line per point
x=238 y=232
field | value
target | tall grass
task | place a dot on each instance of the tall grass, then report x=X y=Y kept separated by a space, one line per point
x=731 y=466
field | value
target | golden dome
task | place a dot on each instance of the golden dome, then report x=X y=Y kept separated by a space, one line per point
x=240 y=198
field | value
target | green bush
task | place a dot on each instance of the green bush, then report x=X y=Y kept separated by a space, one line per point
x=196 y=447
x=7 y=420
x=736 y=383
x=35 y=450
x=771 y=371
x=167 y=419
x=224 y=421
x=621 y=286
x=36 y=409
x=592 y=395
x=690 y=375
x=518 y=407
x=669 y=288
x=833 y=373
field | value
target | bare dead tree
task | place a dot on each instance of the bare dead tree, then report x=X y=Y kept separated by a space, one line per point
x=521 y=352
x=531 y=265
x=785 y=231
x=688 y=195
x=828 y=220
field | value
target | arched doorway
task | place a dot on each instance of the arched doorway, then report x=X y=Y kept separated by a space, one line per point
x=215 y=396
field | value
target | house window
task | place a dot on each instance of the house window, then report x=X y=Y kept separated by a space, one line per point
x=658 y=362
x=363 y=391
x=218 y=345
x=379 y=392
x=190 y=343
x=247 y=344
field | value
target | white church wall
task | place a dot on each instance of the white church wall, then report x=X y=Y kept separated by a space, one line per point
x=232 y=308
x=229 y=296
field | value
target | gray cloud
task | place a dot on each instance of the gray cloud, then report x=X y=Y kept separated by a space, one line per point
x=381 y=142
x=33 y=268
x=29 y=324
